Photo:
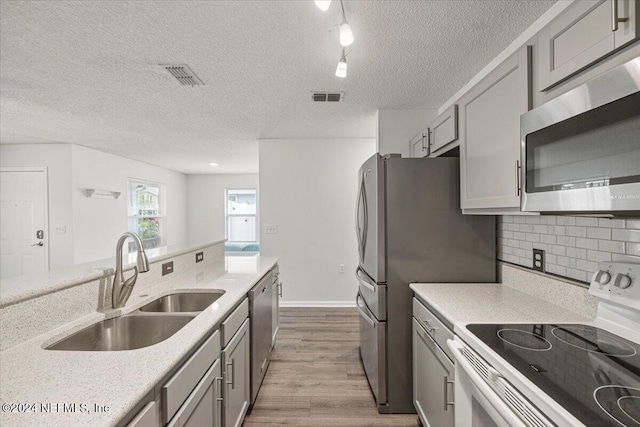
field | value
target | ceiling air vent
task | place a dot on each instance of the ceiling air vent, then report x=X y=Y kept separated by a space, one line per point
x=183 y=74
x=327 y=96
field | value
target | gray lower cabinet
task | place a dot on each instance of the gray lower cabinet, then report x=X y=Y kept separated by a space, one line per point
x=489 y=116
x=237 y=387
x=147 y=417
x=433 y=373
x=204 y=405
x=584 y=33
x=276 y=293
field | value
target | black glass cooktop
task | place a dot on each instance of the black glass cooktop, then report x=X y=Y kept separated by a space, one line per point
x=592 y=373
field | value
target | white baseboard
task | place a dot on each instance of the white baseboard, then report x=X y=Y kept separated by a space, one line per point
x=317 y=303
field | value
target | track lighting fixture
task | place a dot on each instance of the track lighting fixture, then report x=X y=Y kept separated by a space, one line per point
x=346 y=35
x=341 y=70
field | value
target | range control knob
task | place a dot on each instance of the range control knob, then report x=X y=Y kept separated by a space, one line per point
x=623 y=281
x=602 y=277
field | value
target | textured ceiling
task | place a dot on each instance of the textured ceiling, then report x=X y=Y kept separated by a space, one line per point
x=86 y=72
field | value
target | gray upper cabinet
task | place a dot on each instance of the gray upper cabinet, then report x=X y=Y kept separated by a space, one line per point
x=489 y=117
x=419 y=146
x=584 y=33
x=443 y=130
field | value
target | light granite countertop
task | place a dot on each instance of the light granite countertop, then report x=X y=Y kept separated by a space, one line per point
x=460 y=303
x=21 y=288
x=120 y=379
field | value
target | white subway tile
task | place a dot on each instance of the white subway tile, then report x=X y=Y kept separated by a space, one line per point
x=611 y=246
x=526 y=245
x=532 y=237
x=577 y=231
x=526 y=228
x=532 y=219
x=577 y=253
x=513 y=227
x=611 y=223
x=545 y=238
x=556 y=269
x=586 y=221
x=566 y=220
x=598 y=256
x=557 y=250
x=507 y=234
x=519 y=236
x=599 y=233
x=586 y=243
x=589 y=266
x=626 y=235
x=519 y=219
x=633 y=249
x=633 y=224
x=558 y=230
x=548 y=219
x=576 y=274
x=543 y=229
x=505 y=218
x=566 y=240
x=551 y=259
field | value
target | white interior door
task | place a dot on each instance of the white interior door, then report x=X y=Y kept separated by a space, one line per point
x=24 y=245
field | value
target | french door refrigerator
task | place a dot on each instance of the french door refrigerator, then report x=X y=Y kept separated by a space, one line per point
x=410 y=228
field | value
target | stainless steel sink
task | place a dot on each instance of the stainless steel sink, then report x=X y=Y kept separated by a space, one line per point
x=123 y=333
x=182 y=302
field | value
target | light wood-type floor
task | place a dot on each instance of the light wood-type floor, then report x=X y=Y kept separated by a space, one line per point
x=315 y=377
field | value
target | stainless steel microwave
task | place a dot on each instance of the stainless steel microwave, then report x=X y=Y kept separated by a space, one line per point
x=580 y=152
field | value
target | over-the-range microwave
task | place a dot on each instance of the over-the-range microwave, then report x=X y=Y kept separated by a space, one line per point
x=580 y=152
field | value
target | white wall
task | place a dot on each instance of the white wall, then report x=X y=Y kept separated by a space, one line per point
x=57 y=159
x=308 y=189
x=94 y=225
x=397 y=127
x=99 y=222
x=205 y=202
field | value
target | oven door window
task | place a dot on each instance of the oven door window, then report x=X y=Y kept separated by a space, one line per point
x=598 y=148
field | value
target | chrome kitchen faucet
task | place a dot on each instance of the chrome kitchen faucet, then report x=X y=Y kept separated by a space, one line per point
x=122 y=288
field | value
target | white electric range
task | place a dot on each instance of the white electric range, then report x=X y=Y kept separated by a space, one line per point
x=541 y=375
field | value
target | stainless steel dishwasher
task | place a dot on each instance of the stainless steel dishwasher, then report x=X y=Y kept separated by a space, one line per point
x=260 y=309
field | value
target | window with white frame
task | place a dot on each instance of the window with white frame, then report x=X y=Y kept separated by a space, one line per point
x=146 y=211
x=240 y=215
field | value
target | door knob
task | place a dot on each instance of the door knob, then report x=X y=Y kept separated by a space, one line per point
x=38 y=244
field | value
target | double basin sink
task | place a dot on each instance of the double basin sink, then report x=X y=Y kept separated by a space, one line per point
x=143 y=328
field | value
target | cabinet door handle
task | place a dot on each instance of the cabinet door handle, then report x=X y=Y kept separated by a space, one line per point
x=280 y=289
x=446 y=393
x=425 y=325
x=422 y=142
x=232 y=383
x=614 y=16
x=518 y=178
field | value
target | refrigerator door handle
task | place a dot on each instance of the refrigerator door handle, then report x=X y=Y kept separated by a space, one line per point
x=363 y=281
x=365 y=316
x=361 y=229
x=358 y=233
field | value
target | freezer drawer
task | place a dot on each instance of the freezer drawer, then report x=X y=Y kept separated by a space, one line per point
x=373 y=351
x=373 y=294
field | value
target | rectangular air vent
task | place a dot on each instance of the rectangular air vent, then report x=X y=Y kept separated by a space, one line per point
x=327 y=96
x=183 y=74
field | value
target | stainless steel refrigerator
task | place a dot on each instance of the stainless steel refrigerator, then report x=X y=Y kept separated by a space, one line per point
x=410 y=228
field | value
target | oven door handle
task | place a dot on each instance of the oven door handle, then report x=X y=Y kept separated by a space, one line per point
x=490 y=397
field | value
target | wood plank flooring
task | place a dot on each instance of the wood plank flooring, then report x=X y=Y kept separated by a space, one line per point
x=315 y=378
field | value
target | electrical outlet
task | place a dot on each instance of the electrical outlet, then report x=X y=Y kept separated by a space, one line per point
x=199 y=256
x=341 y=269
x=167 y=268
x=271 y=229
x=538 y=260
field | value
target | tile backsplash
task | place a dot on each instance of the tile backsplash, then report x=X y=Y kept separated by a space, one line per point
x=573 y=245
